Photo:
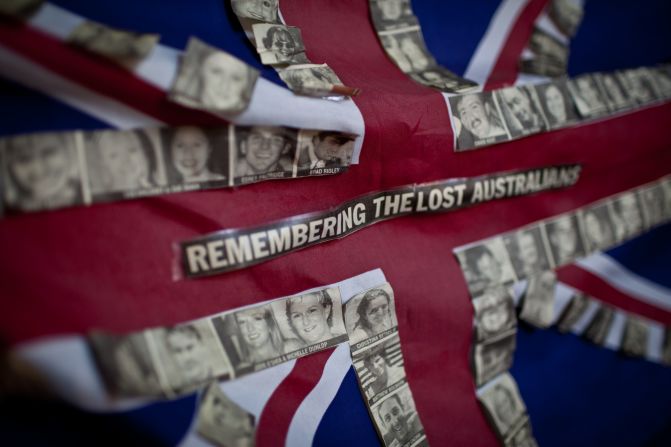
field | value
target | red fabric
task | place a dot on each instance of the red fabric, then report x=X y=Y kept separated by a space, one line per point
x=505 y=70
x=286 y=399
x=110 y=266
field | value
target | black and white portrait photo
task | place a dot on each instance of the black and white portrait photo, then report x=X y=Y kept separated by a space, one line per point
x=573 y=312
x=556 y=103
x=661 y=75
x=214 y=80
x=392 y=14
x=313 y=318
x=493 y=357
x=126 y=364
x=195 y=154
x=565 y=241
x=279 y=44
x=190 y=354
x=123 y=47
x=442 y=79
x=614 y=93
x=408 y=50
x=547 y=47
x=527 y=251
x=652 y=204
x=41 y=171
x=477 y=120
x=635 y=336
x=380 y=367
x=640 y=86
x=567 y=15
x=261 y=10
x=503 y=404
x=310 y=79
x=521 y=110
x=539 y=299
x=263 y=150
x=397 y=418
x=253 y=335
x=324 y=150
x=370 y=313
x=486 y=265
x=597 y=227
x=627 y=216
x=522 y=437
x=598 y=328
x=587 y=97
x=120 y=161
x=493 y=313
x=222 y=421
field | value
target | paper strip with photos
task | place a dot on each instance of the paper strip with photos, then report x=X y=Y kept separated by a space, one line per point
x=87 y=167
x=222 y=421
x=171 y=361
x=233 y=249
x=372 y=327
x=485 y=118
x=401 y=36
x=282 y=47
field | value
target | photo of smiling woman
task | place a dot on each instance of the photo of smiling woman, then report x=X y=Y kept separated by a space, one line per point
x=41 y=171
x=314 y=317
x=195 y=155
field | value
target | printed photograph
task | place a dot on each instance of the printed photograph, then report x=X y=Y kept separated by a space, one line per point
x=213 y=80
x=493 y=357
x=252 y=336
x=125 y=364
x=324 y=149
x=486 y=265
x=614 y=93
x=261 y=10
x=522 y=437
x=597 y=227
x=635 y=336
x=443 y=80
x=41 y=171
x=587 y=97
x=222 y=421
x=503 y=404
x=477 y=120
x=573 y=312
x=126 y=48
x=542 y=66
x=279 y=44
x=190 y=354
x=547 y=47
x=121 y=161
x=626 y=216
x=312 y=318
x=666 y=190
x=407 y=49
x=598 y=329
x=392 y=14
x=521 y=110
x=493 y=313
x=310 y=79
x=566 y=15
x=652 y=201
x=640 y=86
x=557 y=104
x=195 y=155
x=661 y=75
x=370 y=313
x=527 y=251
x=380 y=366
x=263 y=150
x=539 y=299
x=397 y=418
x=565 y=239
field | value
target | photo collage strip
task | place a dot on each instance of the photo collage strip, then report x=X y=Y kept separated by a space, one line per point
x=50 y=170
x=519 y=266
x=484 y=118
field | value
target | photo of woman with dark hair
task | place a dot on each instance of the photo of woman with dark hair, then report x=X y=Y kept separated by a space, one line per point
x=195 y=155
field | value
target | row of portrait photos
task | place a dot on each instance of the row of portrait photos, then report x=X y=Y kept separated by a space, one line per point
x=486 y=118
x=552 y=243
x=58 y=169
